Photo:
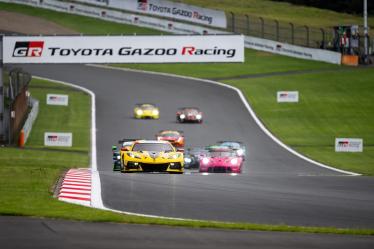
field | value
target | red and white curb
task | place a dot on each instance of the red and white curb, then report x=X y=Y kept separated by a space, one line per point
x=76 y=187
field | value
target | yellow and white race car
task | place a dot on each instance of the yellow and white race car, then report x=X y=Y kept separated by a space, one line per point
x=152 y=156
x=146 y=111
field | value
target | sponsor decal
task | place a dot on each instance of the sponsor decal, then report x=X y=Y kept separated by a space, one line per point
x=348 y=145
x=57 y=99
x=58 y=139
x=28 y=49
x=287 y=96
x=168 y=9
x=106 y=49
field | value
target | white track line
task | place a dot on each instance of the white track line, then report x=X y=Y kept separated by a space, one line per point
x=96 y=199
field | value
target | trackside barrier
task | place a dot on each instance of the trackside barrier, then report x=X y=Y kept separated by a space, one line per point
x=26 y=129
x=182 y=28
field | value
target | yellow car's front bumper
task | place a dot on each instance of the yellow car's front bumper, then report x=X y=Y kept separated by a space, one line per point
x=169 y=167
x=146 y=114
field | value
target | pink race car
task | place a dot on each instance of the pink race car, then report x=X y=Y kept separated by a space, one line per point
x=221 y=159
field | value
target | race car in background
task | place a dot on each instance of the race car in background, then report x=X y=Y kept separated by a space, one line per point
x=221 y=159
x=116 y=159
x=192 y=157
x=152 y=156
x=125 y=146
x=238 y=147
x=146 y=111
x=176 y=138
x=189 y=114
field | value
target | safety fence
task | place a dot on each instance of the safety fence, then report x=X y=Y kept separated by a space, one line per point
x=16 y=102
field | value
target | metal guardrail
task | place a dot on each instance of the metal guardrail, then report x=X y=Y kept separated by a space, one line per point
x=27 y=127
x=301 y=35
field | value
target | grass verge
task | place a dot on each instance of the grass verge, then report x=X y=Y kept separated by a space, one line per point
x=334 y=104
x=26 y=176
x=81 y=24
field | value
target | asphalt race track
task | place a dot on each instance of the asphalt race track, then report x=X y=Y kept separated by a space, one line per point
x=276 y=187
x=32 y=233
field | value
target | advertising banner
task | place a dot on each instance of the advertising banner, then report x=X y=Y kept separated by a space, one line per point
x=292 y=50
x=58 y=139
x=123 y=49
x=349 y=145
x=287 y=96
x=57 y=99
x=167 y=9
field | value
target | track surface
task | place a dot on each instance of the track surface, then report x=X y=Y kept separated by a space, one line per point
x=20 y=232
x=276 y=187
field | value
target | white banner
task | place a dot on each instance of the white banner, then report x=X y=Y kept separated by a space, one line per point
x=292 y=50
x=58 y=139
x=57 y=99
x=287 y=96
x=167 y=9
x=349 y=145
x=183 y=28
x=123 y=49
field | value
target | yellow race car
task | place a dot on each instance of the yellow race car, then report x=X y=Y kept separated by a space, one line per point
x=146 y=111
x=152 y=156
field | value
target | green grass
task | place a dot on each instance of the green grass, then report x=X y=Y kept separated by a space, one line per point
x=256 y=62
x=81 y=24
x=61 y=118
x=284 y=12
x=334 y=104
x=27 y=176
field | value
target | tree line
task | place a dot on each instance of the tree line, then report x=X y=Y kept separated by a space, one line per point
x=347 y=6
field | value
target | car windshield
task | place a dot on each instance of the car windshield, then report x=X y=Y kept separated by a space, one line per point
x=191 y=111
x=222 y=154
x=169 y=134
x=147 y=107
x=231 y=144
x=159 y=147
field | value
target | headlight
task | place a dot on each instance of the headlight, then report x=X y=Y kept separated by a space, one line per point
x=155 y=112
x=198 y=116
x=240 y=152
x=139 y=112
x=187 y=160
x=175 y=156
x=118 y=157
x=234 y=161
x=133 y=155
x=205 y=160
x=182 y=116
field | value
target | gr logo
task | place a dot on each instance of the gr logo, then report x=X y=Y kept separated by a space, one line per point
x=28 y=49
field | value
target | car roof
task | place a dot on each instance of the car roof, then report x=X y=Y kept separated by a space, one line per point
x=218 y=148
x=146 y=104
x=169 y=131
x=186 y=108
x=151 y=142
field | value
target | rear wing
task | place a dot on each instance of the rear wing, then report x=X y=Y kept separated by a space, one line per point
x=180 y=132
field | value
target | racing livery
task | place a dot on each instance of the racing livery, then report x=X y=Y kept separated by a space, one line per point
x=116 y=159
x=189 y=114
x=176 y=138
x=221 y=159
x=192 y=157
x=152 y=156
x=146 y=111
x=125 y=146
